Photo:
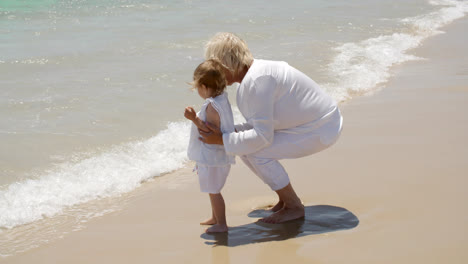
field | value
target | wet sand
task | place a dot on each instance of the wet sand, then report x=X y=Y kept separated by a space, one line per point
x=392 y=190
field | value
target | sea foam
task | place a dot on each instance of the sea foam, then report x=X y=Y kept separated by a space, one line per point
x=116 y=171
x=360 y=67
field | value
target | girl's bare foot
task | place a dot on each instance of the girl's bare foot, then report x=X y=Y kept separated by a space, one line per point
x=210 y=221
x=217 y=229
x=277 y=207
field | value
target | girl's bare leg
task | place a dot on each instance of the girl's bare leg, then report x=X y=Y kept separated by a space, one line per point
x=219 y=210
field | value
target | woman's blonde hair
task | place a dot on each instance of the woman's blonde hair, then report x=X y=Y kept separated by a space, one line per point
x=211 y=74
x=230 y=50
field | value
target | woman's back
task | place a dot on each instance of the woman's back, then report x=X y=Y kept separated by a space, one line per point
x=296 y=99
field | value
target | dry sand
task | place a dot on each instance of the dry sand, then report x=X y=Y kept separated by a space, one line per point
x=392 y=190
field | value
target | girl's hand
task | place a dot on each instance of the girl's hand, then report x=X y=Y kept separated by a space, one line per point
x=190 y=113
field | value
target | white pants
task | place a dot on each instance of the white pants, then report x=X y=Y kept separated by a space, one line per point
x=212 y=179
x=291 y=145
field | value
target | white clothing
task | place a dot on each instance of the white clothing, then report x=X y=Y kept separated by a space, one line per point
x=213 y=163
x=264 y=163
x=275 y=96
x=288 y=116
x=206 y=154
x=212 y=179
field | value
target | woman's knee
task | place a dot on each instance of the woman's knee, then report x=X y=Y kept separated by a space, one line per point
x=270 y=171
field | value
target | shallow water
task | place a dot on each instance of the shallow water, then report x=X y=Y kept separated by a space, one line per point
x=92 y=92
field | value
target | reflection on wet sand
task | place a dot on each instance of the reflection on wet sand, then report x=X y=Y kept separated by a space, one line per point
x=318 y=219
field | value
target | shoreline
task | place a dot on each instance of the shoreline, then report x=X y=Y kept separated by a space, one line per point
x=402 y=161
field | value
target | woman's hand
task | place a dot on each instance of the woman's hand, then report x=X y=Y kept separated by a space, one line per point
x=190 y=113
x=214 y=136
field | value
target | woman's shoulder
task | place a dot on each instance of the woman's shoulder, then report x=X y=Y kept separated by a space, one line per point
x=261 y=68
x=260 y=64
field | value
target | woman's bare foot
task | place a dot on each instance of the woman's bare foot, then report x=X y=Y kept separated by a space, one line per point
x=277 y=207
x=285 y=214
x=217 y=229
x=210 y=221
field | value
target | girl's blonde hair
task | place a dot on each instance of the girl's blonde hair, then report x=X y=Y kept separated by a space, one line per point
x=211 y=74
x=230 y=50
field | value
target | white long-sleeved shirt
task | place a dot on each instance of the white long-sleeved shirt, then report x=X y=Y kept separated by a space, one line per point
x=274 y=96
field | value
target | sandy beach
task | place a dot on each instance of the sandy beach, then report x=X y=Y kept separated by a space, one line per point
x=398 y=195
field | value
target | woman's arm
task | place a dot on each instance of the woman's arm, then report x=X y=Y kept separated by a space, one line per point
x=259 y=98
x=242 y=127
x=259 y=132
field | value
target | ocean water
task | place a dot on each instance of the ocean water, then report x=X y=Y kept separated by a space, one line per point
x=92 y=92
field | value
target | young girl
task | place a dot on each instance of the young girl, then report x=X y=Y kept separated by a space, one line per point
x=213 y=164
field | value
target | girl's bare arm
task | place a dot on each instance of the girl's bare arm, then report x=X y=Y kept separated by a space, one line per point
x=190 y=114
x=212 y=116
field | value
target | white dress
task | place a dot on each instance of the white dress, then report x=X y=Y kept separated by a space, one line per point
x=213 y=163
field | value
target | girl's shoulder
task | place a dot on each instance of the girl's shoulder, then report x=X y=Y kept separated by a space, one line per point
x=220 y=99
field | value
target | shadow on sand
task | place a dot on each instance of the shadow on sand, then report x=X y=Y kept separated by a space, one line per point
x=318 y=219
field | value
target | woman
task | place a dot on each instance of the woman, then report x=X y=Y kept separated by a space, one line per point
x=288 y=116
